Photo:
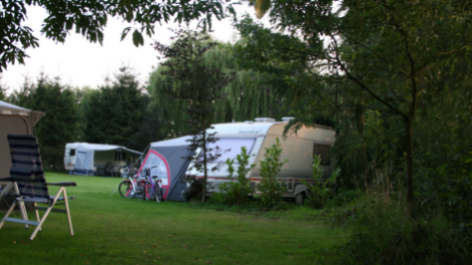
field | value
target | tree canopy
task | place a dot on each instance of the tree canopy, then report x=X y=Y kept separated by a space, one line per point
x=249 y=95
x=390 y=50
x=89 y=19
x=198 y=86
x=61 y=123
x=2 y=90
x=116 y=113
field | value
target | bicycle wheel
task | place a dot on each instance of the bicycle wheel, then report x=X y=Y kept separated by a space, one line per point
x=158 y=194
x=150 y=194
x=140 y=191
x=126 y=189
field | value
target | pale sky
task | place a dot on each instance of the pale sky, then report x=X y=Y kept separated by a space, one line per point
x=80 y=63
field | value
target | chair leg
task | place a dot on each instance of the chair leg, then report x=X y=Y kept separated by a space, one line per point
x=45 y=215
x=21 y=205
x=6 y=189
x=38 y=228
x=49 y=209
x=8 y=213
x=37 y=214
x=66 y=203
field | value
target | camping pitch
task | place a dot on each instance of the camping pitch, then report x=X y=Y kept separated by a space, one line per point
x=298 y=148
x=168 y=159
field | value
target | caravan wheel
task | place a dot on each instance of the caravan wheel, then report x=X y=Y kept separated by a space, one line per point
x=300 y=198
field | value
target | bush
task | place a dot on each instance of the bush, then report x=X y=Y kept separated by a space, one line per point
x=320 y=190
x=383 y=234
x=446 y=188
x=386 y=236
x=344 y=197
x=195 y=190
x=236 y=193
x=270 y=187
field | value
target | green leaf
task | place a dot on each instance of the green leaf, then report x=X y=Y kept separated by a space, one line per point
x=137 y=38
x=125 y=32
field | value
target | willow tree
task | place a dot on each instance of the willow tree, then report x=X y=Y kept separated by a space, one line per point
x=250 y=94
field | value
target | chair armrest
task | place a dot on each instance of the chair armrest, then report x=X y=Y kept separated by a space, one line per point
x=63 y=184
x=24 y=174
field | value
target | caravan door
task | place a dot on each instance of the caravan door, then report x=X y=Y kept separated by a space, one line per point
x=69 y=158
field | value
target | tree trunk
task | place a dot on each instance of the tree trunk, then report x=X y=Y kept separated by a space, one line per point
x=205 y=170
x=409 y=165
x=360 y=117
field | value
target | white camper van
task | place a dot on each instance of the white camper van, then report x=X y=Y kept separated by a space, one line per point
x=298 y=148
x=97 y=159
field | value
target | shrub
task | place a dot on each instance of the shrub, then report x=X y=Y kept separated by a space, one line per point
x=383 y=234
x=320 y=190
x=195 y=190
x=271 y=189
x=236 y=193
x=343 y=197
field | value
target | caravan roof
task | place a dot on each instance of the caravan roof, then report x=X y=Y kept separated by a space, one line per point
x=173 y=142
x=255 y=129
x=242 y=129
x=101 y=147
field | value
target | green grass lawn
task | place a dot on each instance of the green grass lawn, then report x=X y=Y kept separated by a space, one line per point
x=113 y=230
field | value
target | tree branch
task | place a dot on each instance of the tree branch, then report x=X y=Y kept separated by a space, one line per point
x=437 y=55
x=362 y=85
x=412 y=76
x=378 y=55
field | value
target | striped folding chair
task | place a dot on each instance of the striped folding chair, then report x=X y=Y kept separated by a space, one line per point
x=7 y=190
x=28 y=177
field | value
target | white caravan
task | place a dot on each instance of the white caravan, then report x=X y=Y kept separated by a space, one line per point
x=298 y=148
x=97 y=159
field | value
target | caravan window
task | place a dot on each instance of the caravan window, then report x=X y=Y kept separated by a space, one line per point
x=120 y=156
x=72 y=152
x=323 y=152
x=229 y=148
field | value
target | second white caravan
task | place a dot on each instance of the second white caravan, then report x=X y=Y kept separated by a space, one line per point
x=298 y=148
x=97 y=159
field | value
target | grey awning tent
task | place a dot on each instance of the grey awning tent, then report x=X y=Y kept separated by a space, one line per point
x=167 y=160
x=88 y=156
x=15 y=120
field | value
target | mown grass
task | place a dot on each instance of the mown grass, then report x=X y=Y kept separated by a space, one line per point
x=112 y=230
